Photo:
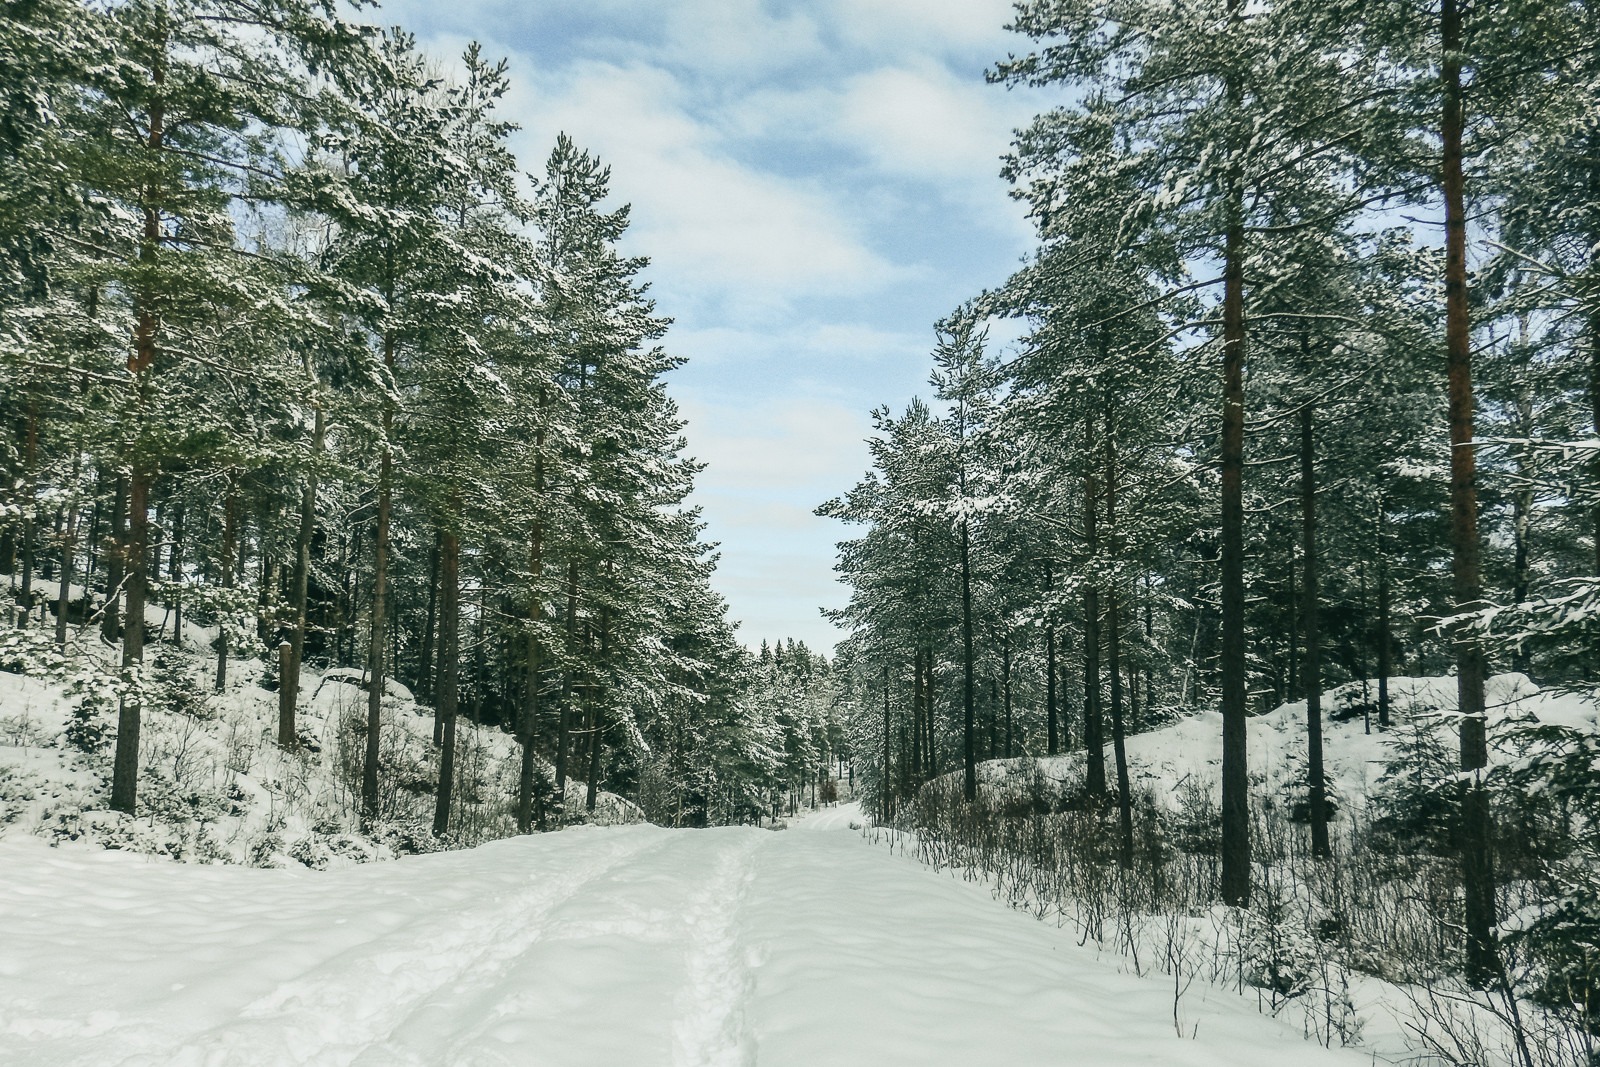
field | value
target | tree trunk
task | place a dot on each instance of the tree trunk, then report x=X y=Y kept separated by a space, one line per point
x=1005 y=675
x=116 y=569
x=969 y=784
x=1235 y=776
x=230 y=533
x=69 y=541
x=564 y=726
x=175 y=574
x=425 y=673
x=449 y=662
x=916 y=715
x=380 y=605
x=596 y=716
x=1477 y=863
x=1114 y=666
x=1385 y=642
x=300 y=590
x=125 y=770
x=1052 y=739
x=886 y=786
x=1316 y=788
x=30 y=455
x=1093 y=725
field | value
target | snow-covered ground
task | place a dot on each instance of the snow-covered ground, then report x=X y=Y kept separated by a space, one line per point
x=630 y=945
x=1188 y=753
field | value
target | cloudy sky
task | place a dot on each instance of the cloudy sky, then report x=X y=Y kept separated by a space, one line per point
x=815 y=183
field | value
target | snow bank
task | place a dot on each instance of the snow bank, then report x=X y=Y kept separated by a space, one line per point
x=215 y=786
x=1188 y=754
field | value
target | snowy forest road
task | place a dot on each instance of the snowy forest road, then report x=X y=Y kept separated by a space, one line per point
x=621 y=947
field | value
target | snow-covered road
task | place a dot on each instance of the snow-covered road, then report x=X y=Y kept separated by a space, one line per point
x=623 y=947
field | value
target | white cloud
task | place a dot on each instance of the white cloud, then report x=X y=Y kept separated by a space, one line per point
x=926 y=122
x=795 y=448
x=704 y=217
x=965 y=25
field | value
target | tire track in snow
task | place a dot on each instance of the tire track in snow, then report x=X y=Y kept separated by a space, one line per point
x=350 y=1004
x=711 y=1029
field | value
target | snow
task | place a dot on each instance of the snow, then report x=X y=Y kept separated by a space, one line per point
x=1189 y=752
x=252 y=802
x=628 y=945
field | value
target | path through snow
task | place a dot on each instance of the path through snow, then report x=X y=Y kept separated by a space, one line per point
x=623 y=947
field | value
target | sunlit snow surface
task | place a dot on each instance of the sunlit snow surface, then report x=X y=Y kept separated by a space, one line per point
x=619 y=946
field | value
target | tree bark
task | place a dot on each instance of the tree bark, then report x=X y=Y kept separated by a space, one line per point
x=380 y=604
x=449 y=662
x=1093 y=725
x=30 y=455
x=1052 y=738
x=1235 y=776
x=1316 y=788
x=969 y=783
x=301 y=580
x=1005 y=689
x=564 y=726
x=886 y=785
x=1114 y=666
x=1477 y=863
x=125 y=769
x=116 y=569
x=175 y=574
x=230 y=533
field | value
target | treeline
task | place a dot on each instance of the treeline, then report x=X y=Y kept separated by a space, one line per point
x=1307 y=394
x=292 y=349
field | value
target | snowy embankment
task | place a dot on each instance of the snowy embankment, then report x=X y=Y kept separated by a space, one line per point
x=624 y=945
x=214 y=784
x=1165 y=762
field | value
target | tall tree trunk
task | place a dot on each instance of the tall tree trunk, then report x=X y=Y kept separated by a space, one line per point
x=1316 y=788
x=1005 y=675
x=380 y=603
x=449 y=661
x=1093 y=726
x=1477 y=862
x=1114 y=667
x=425 y=671
x=1052 y=739
x=301 y=581
x=886 y=785
x=116 y=565
x=530 y=710
x=564 y=726
x=1522 y=515
x=69 y=541
x=597 y=716
x=30 y=456
x=969 y=784
x=230 y=533
x=916 y=715
x=1385 y=642
x=1235 y=776
x=125 y=769
x=175 y=574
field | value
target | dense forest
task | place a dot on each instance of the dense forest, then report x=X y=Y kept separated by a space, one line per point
x=1304 y=399
x=297 y=358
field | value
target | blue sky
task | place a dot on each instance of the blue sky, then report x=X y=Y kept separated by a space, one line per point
x=815 y=183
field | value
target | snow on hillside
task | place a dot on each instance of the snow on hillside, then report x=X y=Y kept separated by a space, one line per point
x=215 y=786
x=627 y=945
x=1188 y=753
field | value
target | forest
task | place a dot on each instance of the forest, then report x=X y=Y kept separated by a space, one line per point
x=305 y=374
x=1303 y=403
